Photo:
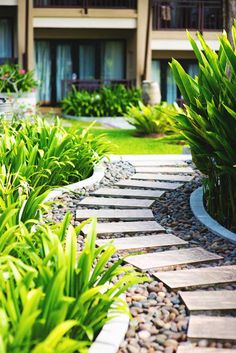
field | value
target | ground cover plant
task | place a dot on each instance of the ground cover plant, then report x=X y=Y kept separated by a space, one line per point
x=52 y=299
x=107 y=101
x=209 y=123
x=153 y=120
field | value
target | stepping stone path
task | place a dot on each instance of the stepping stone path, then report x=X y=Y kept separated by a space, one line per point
x=162 y=177
x=137 y=193
x=115 y=214
x=144 y=242
x=170 y=170
x=148 y=184
x=128 y=203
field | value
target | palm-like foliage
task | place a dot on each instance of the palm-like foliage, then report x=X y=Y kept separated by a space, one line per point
x=153 y=120
x=209 y=124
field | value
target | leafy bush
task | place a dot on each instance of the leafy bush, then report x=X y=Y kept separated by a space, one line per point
x=153 y=120
x=14 y=79
x=209 y=124
x=52 y=300
x=108 y=101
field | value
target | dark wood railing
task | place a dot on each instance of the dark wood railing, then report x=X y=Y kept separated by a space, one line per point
x=93 y=85
x=187 y=14
x=8 y=61
x=86 y=4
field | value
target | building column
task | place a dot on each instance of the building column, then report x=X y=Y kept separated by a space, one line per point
x=30 y=51
x=21 y=31
x=143 y=45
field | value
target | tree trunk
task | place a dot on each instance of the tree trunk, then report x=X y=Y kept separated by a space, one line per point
x=229 y=15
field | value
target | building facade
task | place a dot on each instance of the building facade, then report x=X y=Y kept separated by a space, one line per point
x=95 y=42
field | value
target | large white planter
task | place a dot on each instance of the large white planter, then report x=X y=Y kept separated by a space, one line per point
x=18 y=103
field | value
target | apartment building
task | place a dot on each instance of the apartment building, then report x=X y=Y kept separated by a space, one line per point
x=89 y=43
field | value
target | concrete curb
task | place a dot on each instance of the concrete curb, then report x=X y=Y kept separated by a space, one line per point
x=97 y=176
x=111 y=335
x=198 y=209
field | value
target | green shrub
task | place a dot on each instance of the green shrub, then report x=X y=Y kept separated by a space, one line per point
x=153 y=120
x=14 y=79
x=108 y=101
x=209 y=124
x=53 y=300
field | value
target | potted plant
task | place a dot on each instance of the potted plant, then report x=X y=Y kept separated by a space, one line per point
x=17 y=89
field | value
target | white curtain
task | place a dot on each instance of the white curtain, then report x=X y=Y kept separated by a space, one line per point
x=86 y=62
x=171 y=87
x=5 y=39
x=112 y=60
x=156 y=71
x=193 y=70
x=43 y=70
x=64 y=68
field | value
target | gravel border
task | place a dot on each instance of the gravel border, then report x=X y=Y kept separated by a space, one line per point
x=199 y=211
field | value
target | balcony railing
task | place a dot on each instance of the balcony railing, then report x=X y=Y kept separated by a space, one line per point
x=93 y=85
x=86 y=4
x=187 y=14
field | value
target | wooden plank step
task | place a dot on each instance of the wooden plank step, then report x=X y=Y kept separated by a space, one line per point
x=126 y=227
x=190 y=349
x=144 y=242
x=162 y=177
x=137 y=193
x=170 y=170
x=148 y=184
x=166 y=163
x=116 y=202
x=198 y=277
x=171 y=258
x=115 y=214
x=209 y=300
x=212 y=328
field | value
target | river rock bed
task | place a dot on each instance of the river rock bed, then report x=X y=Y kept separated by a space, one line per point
x=160 y=319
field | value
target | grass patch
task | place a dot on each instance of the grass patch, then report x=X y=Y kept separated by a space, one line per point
x=126 y=143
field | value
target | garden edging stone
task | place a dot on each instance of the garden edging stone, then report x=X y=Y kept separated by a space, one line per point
x=115 y=122
x=199 y=211
x=96 y=177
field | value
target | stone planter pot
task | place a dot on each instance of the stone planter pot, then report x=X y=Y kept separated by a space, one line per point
x=18 y=103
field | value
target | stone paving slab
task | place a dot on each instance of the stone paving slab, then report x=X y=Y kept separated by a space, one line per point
x=148 y=184
x=209 y=300
x=115 y=214
x=162 y=177
x=163 y=169
x=171 y=258
x=126 y=227
x=144 y=242
x=137 y=193
x=198 y=277
x=212 y=328
x=190 y=349
x=149 y=163
x=116 y=202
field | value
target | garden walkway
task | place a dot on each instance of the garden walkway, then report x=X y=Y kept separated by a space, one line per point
x=126 y=208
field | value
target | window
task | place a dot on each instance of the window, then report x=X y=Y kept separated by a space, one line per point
x=58 y=61
x=6 y=38
x=161 y=73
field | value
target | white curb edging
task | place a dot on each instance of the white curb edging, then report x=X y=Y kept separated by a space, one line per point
x=198 y=209
x=98 y=174
x=111 y=335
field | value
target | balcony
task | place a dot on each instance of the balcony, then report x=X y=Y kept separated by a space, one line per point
x=87 y=4
x=184 y=14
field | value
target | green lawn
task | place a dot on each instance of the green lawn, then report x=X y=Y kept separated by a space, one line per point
x=125 y=142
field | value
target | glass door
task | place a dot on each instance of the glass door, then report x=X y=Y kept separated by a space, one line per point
x=63 y=69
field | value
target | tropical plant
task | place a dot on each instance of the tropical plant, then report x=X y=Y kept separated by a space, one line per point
x=13 y=79
x=209 y=123
x=156 y=120
x=108 y=101
x=53 y=300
